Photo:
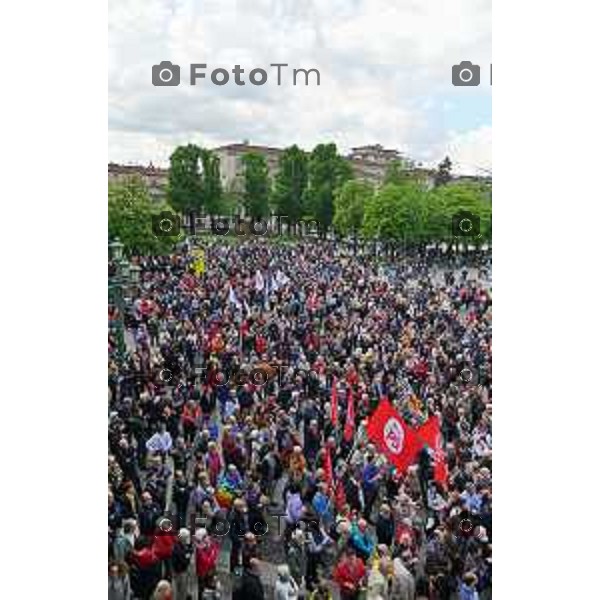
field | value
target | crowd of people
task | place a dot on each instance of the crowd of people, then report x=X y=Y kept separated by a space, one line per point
x=225 y=458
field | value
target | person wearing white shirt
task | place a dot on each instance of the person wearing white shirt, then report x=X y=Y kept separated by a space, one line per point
x=161 y=441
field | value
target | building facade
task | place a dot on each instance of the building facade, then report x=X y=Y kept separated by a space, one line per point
x=369 y=163
x=155 y=178
x=232 y=170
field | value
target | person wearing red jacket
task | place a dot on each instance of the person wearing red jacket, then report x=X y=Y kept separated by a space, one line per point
x=260 y=344
x=145 y=568
x=163 y=544
x=207 y=554
x=349 y=574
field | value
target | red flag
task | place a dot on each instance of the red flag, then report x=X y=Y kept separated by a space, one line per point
x=334 y=403
x=431 y=434
x=340 y=497
x=393 y=436
x=328 y=467
x=188 y=281
x=352 y=376
x=349 y=428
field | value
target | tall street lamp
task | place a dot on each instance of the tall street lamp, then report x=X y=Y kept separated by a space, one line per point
x=121 y=274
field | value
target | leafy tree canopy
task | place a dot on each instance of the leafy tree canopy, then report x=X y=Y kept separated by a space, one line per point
x=211 y=188
x=396 y=212
x=443 y=174
x=399 y=172
x=132 y=218
x=349 y=205
x=327 y=171
x=291 y=182
x=449 y=200
x=185 y=182
x=256 y=185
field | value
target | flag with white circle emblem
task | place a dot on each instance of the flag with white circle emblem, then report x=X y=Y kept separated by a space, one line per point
x=392 y=436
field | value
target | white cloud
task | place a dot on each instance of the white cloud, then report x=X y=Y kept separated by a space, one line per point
x=471 y=151
x=385 y=72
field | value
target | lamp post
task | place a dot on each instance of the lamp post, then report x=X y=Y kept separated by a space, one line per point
x=134 y=276
x=120 y=274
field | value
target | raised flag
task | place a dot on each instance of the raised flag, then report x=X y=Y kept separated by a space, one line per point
x=349 y=427
x=352 y=376
x=188 y=281
x=199 y=266
x=340 y=497
x=259 y=281
x=393 y=437
x=267 y=370
x=334 y=402
x=430 y=432
x=282 y=278
x=233 y=298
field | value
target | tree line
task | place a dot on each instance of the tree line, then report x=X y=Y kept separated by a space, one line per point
x=307 y=185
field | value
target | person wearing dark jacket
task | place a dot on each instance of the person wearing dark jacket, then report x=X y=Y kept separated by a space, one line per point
x=115 y=512
x=183 y=550
x=269 y=471
x=249 y=549
x=182 y=490
x=251 y=587
x=385 y=527
x=238 y=527
x=352 y=492
x=312 y=442
x=148 y=515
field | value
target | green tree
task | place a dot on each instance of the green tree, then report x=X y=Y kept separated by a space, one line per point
x=231 y=201
x=399 y=172
x=397 y=213
x=443 y=174
x=446 y=202
x=291 y=182
x=184 y=190
x=256 y=185
x=211 y=188
x=349 y=205
x=132 y=216
x=327 y=171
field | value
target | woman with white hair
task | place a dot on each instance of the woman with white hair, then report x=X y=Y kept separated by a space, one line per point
x=163 y=591
x=285 y=587
x=403 y=582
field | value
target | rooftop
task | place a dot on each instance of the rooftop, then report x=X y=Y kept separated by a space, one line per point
x=149 y=169
x=249 y=148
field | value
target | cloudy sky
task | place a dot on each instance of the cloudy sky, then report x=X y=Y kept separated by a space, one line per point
x=385 y=70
